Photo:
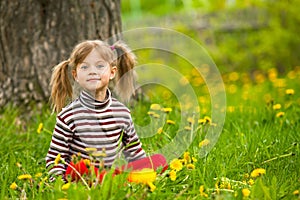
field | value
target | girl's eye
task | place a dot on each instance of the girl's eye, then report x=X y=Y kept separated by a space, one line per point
x=83 y=67
x=100 y=66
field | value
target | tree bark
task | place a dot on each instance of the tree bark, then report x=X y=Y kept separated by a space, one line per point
x=35 y=35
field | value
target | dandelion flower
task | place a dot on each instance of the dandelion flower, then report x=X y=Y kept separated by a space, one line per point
x=172 y=175
x=19 y=164
x=159 y=130
x=24 y=176
x=167 y=110
x=144 y=176
x=280 y=114
x=190 y=166
x=99 y=154
x=194 y=159
x=251 y=182
x=40 y=128
x=202 y=193
x=187 y=128
x=13 y=186
x=155 y=106
x=186 y=157
x=66 y=186
x=257 y=172
x=276 y=106
x=201 y=121
x=207 y=119
x=151 y=113
x=37 y=175
x=155 y=115
x=191 y=120
x=57 y=159
x=204 y=143
x=296 y=192
x=290 y=91
x=176 y=164
x=90 y=150
x=246 y=192
x=170 y=122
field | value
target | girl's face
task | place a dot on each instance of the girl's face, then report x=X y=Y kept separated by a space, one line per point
x=94 y=73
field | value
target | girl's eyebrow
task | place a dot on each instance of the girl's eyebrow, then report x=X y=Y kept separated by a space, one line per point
x=97 y=62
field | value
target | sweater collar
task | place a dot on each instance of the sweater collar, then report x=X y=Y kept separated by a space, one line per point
x=88 y=101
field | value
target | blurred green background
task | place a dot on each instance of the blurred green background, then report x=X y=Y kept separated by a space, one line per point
x=239 y=35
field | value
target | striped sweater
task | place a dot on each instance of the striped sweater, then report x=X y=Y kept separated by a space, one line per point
x=88 y=123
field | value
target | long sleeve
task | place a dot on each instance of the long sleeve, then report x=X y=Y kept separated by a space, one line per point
x=132 y=145
x=59 y=145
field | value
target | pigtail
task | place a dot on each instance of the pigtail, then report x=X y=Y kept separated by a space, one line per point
x=125 y=78
x=60 y=84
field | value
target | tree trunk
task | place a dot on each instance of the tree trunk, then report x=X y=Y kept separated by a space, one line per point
x=35 y=35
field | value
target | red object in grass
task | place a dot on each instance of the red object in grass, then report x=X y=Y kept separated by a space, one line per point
x=152 y=162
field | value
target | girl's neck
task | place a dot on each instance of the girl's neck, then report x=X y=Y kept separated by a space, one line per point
x=99 y=95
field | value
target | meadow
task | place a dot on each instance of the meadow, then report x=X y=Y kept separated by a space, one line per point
x=255 y=157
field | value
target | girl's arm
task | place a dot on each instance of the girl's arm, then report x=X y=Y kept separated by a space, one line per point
x=59 y=145
x=133 y=147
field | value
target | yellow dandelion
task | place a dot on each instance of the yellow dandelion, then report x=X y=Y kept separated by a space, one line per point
x=246 y=192
x=202 y=193
x=87 y=162
x=37 y=175
x=207 y=119
x=191 y=120
x=99 y=154
x=290 y=91
x=257 y=172
x=66 y=186
x=280 y=114
x=276 y=106
x=144 y=176
x=190 y=166
x=204 y=143
x=170 y=122
x=296 y=192
x=187 y=128
x=194 y=159
x=57 y=159
x=155 y=106
x=246 y=175
x=90 y=149
x=251 y=182
x=166 y=110
x=156 y=115
x=13 y=186
x=201 y=121
x=176 y=164
x=24 y=176
x=186 y=157
x=159 y=130
x=172 y=175
x=151 y=113
x=40 y=128
x=19 y=164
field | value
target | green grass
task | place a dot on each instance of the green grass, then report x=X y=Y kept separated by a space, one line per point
x=252 y=137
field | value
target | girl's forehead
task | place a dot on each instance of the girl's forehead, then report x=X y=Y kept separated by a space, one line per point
x=95 y=56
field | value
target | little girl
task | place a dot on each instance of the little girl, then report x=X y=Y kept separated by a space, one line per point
x=95 y=119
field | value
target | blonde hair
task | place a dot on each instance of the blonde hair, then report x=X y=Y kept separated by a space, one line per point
x=118 y=55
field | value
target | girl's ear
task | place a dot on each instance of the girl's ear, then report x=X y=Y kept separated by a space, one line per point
x=113 y=72
x=74 y=74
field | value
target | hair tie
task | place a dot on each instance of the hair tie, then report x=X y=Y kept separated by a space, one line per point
x=112 y=48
